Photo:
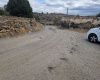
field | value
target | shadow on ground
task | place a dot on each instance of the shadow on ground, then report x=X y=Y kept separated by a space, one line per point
x=97 y=43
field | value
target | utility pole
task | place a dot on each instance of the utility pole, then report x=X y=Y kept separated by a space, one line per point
x=67 y=11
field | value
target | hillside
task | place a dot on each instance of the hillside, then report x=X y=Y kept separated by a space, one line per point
x=71 y=21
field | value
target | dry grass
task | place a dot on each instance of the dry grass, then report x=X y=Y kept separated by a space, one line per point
x=18 y=32
x=79 y=30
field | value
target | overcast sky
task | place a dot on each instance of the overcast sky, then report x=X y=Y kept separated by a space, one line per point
x=81 y=7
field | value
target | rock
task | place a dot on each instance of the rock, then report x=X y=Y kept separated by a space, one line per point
x=3 y=31
x=40 y=37
x=35 y=29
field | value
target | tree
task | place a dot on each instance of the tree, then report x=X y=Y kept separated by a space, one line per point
x=98 y=15
x=78 y=16
x=1 y=8
x=42 y=13
x=20 y=8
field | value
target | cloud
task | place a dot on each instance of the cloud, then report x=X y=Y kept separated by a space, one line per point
x=82 y=7
x=3 y=2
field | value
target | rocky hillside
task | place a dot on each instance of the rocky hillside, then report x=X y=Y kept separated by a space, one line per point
x=14 y=26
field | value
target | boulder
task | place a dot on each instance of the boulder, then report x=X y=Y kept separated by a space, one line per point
x=3 y=31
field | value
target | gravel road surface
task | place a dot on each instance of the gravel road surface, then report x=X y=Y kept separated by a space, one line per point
x=51 y=54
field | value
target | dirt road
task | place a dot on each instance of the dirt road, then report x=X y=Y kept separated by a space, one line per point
x=51 y=54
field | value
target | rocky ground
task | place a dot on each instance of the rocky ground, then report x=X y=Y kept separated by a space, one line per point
x=51 y=54
x=15 y=26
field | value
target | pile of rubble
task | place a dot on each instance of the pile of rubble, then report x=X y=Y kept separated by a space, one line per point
x=14 y=26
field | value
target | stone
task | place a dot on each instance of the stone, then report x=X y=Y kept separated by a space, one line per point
x=3 y=31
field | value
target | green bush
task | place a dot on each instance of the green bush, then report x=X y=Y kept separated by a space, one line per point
x=56 y=21
x=20 y=8
x=37 y=18
x=3 y=12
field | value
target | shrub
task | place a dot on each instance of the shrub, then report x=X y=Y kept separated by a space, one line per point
x=57 y=21
x=3 y=12
x=37 y=18
x=20 y=8
x=64 y=24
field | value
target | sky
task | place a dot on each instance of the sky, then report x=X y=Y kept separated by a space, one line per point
x=81 y=7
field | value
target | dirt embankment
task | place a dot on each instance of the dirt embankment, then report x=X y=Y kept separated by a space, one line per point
x=14 y=26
